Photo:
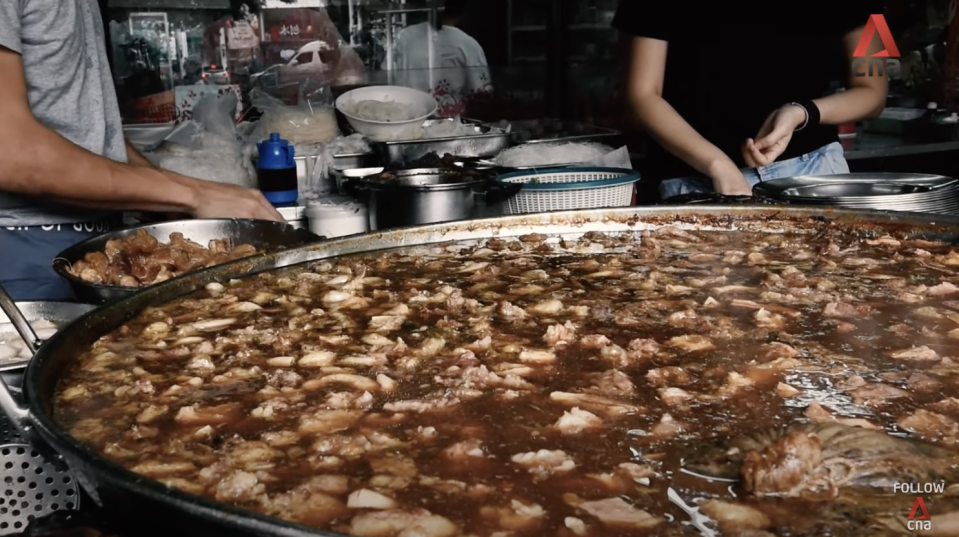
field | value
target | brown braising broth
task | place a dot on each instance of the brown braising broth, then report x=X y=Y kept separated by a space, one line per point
x=419 y=375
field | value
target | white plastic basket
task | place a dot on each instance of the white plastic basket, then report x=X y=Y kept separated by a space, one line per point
x=565 y=189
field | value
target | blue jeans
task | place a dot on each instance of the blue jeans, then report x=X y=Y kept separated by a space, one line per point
x=827 y=160
x=26 y=258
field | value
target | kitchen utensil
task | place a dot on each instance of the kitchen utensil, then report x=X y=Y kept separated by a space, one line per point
x=265 y=236
x=424 y=196
x=881 y=191
x=32 y=487
x=570 y=188
x=712 y=198
x=337 y=216
x=58 y=313
x=295 y=216
x=486 y=141
x=155 y=509
x=31 y=484
x=342 y=176
x=422 y=104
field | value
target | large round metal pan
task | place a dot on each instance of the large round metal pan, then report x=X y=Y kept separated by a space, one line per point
x=264 y=236
x=132 y=497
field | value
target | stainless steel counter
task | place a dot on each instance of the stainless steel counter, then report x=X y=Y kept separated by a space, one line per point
x=869 y=146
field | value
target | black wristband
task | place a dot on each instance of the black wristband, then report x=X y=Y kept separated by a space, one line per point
x=813 y=116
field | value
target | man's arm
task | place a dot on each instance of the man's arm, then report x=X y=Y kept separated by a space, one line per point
x=646 y=75
x=135 y=158
x=39 y=162
x=865 y=96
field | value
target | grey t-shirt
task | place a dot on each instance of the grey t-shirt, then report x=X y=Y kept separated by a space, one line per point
x=69 y=87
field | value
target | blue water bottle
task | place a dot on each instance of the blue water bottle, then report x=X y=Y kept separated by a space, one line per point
x=276 y=171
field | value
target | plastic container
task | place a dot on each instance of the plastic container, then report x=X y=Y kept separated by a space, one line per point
x=568 y=189
x=337 y=216
x=276 y=171
x=295 y=215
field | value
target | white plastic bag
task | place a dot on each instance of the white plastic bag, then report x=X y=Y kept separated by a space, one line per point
x=207 y=147
x=311 y=121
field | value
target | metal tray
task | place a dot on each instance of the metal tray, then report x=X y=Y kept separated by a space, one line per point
x=58 y=313
x=487 y=142
x=883 y=191
x=855 y=186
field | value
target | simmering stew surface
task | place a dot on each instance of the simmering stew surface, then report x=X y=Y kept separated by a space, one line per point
x=662 y=383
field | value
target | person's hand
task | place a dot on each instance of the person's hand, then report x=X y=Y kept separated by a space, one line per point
x=773 y=137
x=229 y=201
x=729 y=180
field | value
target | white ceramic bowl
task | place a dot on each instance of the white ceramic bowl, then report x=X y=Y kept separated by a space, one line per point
x=422 y=103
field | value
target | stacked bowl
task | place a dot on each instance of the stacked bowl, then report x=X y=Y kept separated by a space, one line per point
x=932 y=194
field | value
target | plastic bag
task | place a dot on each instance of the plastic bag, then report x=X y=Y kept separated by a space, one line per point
x=311 y=121
x=615 y=159
x=215 y=114
x=552 y=154
x=207 y=146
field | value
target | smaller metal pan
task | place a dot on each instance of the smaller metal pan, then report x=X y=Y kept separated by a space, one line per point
x=58 y=313
x=265 y=236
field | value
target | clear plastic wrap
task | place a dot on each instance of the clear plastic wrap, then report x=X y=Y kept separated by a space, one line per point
x=207 y=147
x=552 y=154
x=311 y=121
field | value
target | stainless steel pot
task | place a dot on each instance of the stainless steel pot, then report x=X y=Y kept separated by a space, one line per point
x=424 y=196
x=128 y=495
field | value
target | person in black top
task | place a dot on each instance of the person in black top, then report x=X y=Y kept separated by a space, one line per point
x=735 y=92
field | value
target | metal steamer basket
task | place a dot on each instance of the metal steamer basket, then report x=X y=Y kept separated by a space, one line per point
x=33 y=482
x=129 y=496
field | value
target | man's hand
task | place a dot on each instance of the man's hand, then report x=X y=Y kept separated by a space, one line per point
x=229 y=201
x=729 y=180
x=774 y=136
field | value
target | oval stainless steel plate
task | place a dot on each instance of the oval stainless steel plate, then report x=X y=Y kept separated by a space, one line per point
x=879 y=191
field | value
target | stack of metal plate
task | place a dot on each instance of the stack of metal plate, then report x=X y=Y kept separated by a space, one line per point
x=918 y=193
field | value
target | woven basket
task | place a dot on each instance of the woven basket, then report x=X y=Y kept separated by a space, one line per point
x=564 y=189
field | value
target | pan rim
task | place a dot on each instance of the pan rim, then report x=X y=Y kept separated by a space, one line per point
x=238 y=518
